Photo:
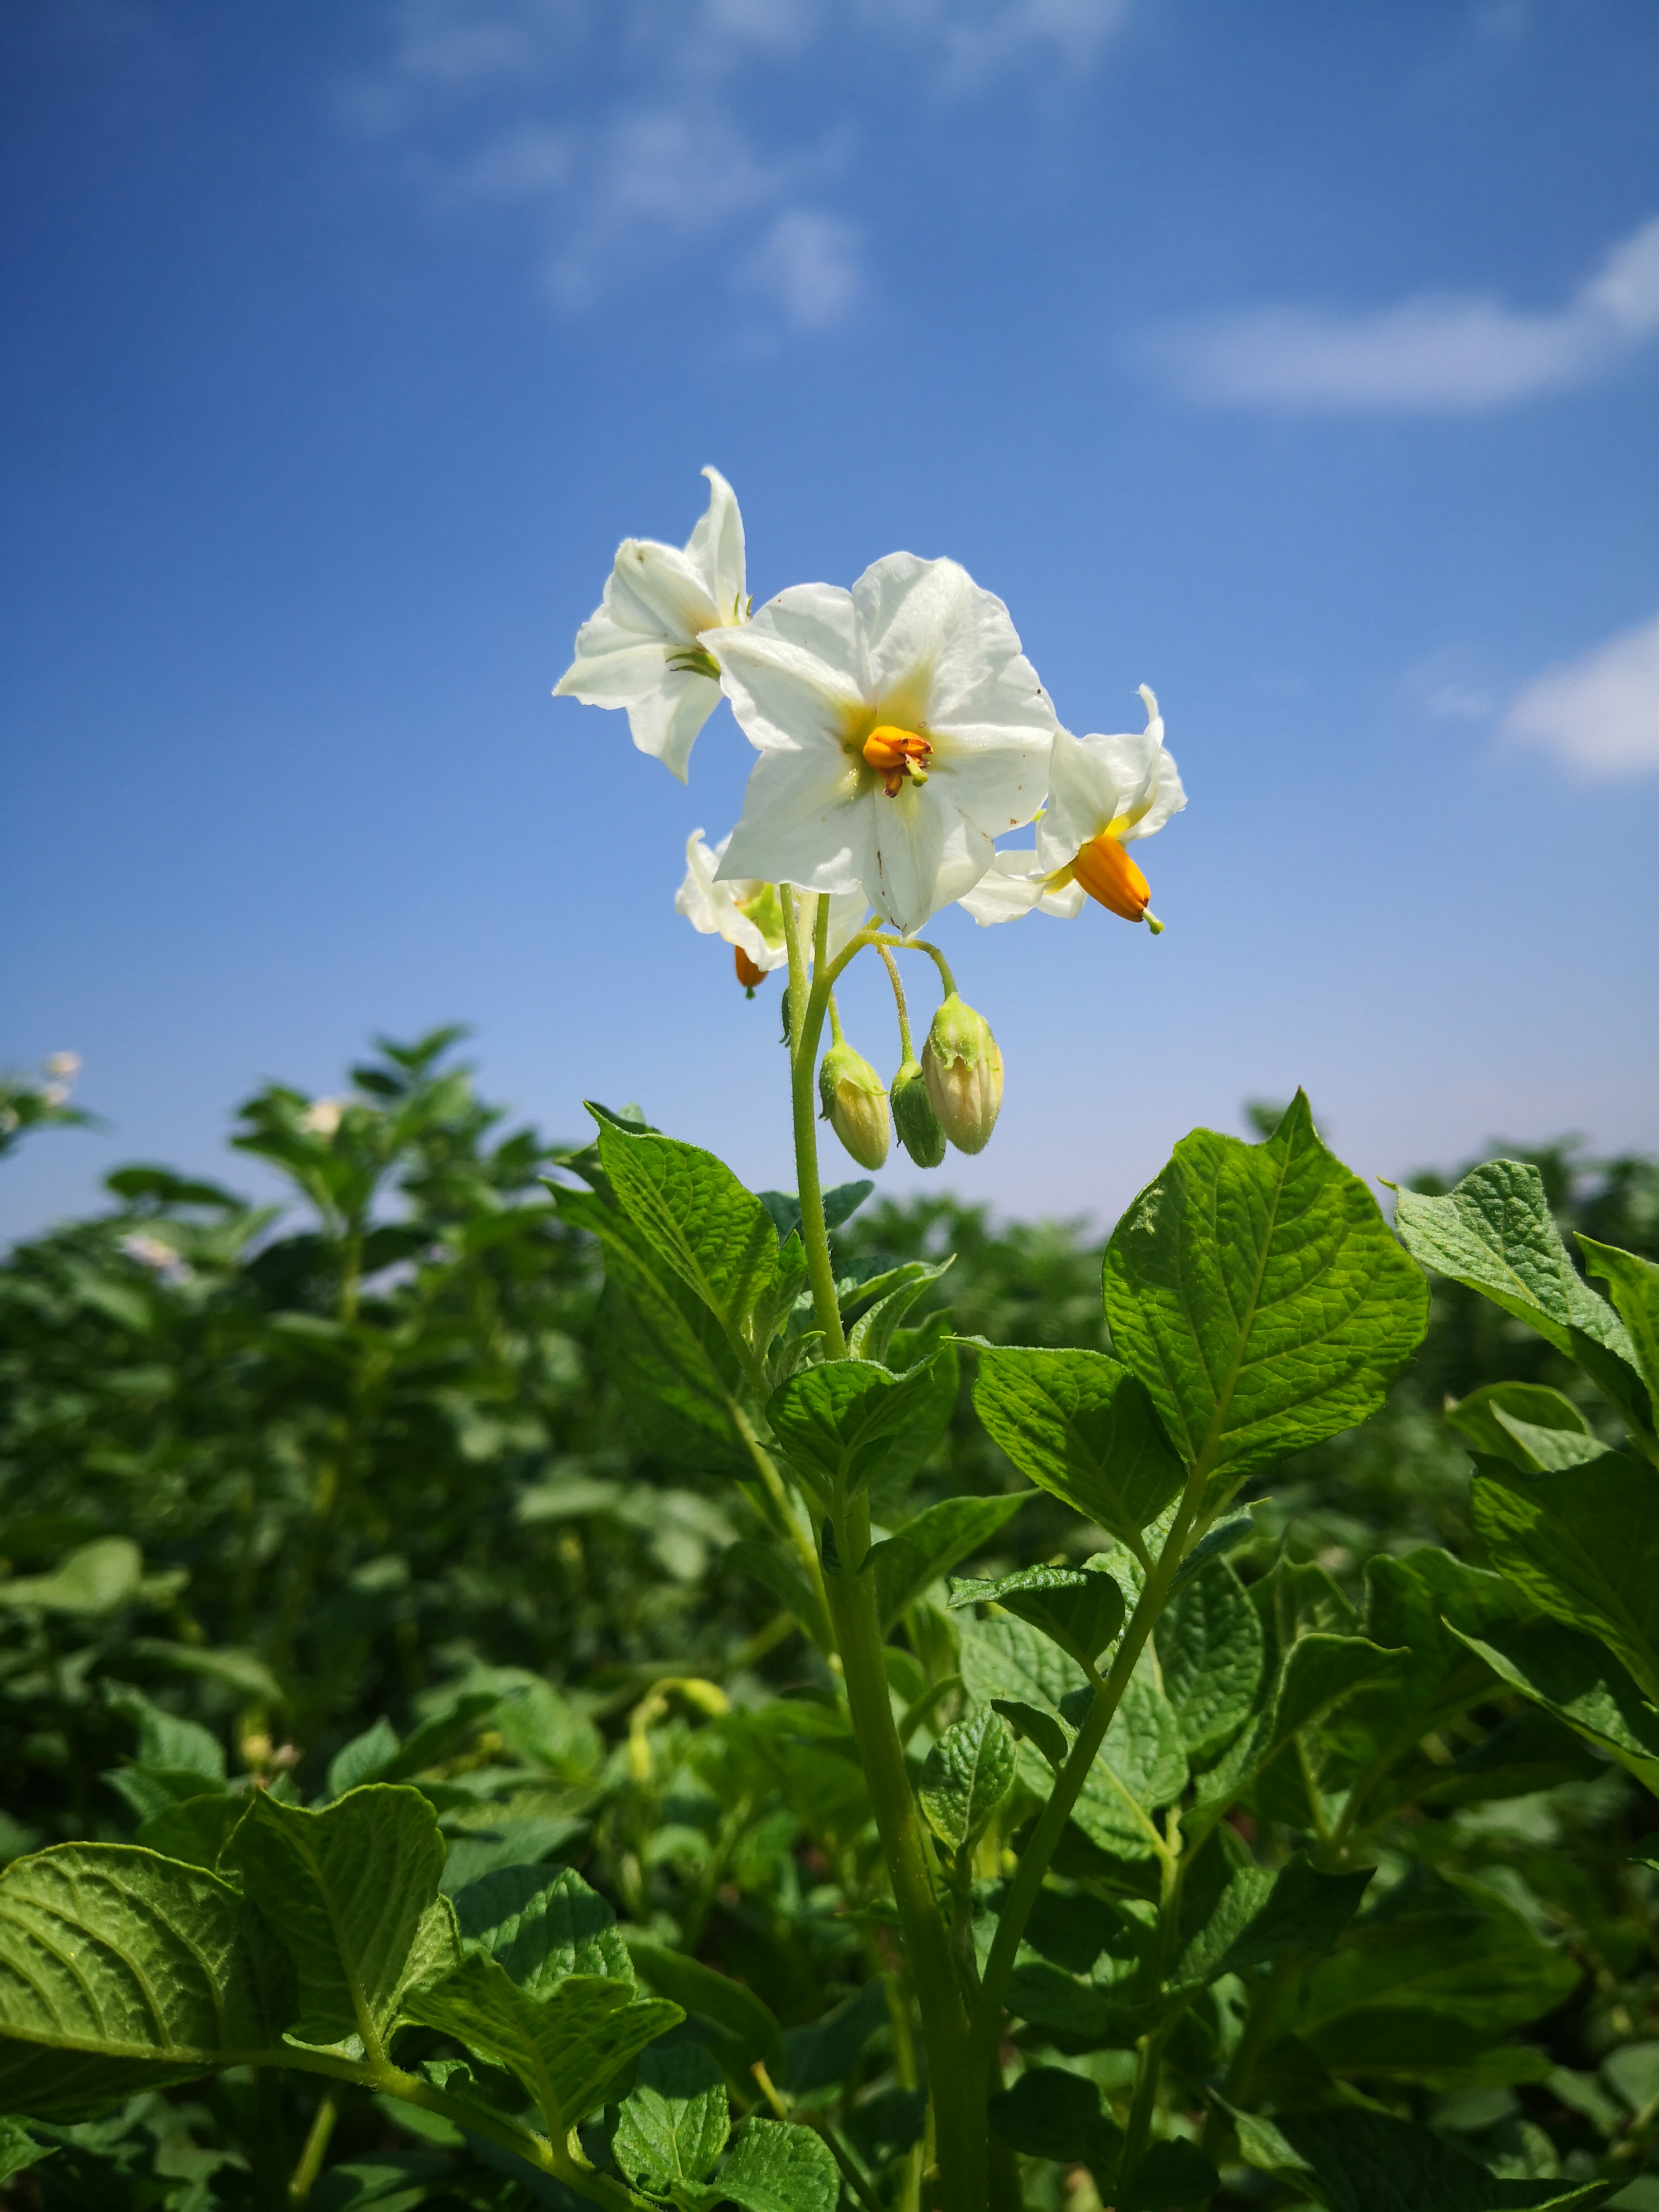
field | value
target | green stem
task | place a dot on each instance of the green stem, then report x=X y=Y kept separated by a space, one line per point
x=957 y=2098
x=1051 y=1823
x=905 y=1050
x=316 y=2146
x=836 y=1033
x=808 y=997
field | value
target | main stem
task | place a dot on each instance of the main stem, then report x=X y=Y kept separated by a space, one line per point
x=958 y=2110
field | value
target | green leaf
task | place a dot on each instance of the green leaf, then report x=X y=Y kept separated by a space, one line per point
x=1051 y=2113
x=775 y=2168
x=1367 y=2162
x=1316 y=1675
x=1174 y=2172
x=166 y=1740
x=1082 y=1427
x=698 y=1988
x=676 y=1359
x=1500 y=1419
x=1259 y=1915
x=847 y=1419
x=967 y=1774
x=1583 y=1548
x=695 y=1214
x=95 y=1579
x=1495 y=1234
x=1210 y=1650
x=195 y=1831
x=1634 y=1283
x=1423 y=1981
x=540 y=1924
x=673 y=2123
x=568 y=2048
x=1081 y=1611
x=1140 y=1767
x=364 y=1758
x=822 y=2054
x=120 y=1972
x=1256 y=1291
x=386 y=2181
x=905 y=1565
x=1579 y=1680
x=19 y=2149
x=840 y=1204
x=1038 y=1728
x=352 y=1892
x=871 y=1336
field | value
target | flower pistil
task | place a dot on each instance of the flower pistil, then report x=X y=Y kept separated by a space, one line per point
x=897 y=756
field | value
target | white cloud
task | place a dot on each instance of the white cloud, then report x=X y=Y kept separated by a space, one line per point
x=808 y=266
x=1439 y=353
x=1599 y=714
x=624 y=131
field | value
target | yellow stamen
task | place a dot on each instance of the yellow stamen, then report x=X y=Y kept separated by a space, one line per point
x=896 y=754
x=748 y=974
x=1111 y=878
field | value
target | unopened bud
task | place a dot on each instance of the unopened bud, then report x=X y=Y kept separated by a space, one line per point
x=963 y=1069
x=914 y=1117
x=855 y=1104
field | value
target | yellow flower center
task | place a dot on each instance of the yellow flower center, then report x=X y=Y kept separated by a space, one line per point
x=896 y=754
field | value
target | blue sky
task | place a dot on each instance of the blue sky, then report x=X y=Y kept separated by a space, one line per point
x=1299 y=362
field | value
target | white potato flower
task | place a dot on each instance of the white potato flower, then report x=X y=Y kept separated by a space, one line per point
x=746 y=911
x=899 y=727
x=645 y=648
x=1106 y=793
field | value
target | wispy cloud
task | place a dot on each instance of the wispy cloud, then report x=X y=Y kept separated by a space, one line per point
x=1599 y=714
x=1438 y=354
x=624 y=130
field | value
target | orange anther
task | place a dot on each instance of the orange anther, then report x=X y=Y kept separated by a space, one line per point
x=896 y=754
x=1109 y=876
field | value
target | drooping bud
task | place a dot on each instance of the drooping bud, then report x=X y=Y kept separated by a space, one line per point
x=914 y=1117
x=855 y=1104
x=963 y=1069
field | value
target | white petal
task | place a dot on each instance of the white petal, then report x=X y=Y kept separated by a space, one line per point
x=909 y=834
x=715 y=549
x=1009 y=889
x=944 y=656
x=661 y=592
x=1171 y=799
x=798 y=823
x=848 y=912
x=1094 y=782
x=711 y=906
x=794 y=673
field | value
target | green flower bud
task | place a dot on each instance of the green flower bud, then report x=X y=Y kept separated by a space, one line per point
x=963 y=1069
x=914 y=1117
x=855 y=1104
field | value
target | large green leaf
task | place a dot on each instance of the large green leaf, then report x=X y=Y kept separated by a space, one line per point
x=1081 y=1426
x=1367 y=2162
x=568 y=2048
x=674 y=2122
x=731 y=2005
x=121 y=1970
x=1256 y=1291
x=1634 y=1283
x=1209 y=1646
x=1583 y=1547
x=541 y=1923
x=352 y=1892
x=1578 y=1680
x=1525 y=1423
x=1080 y=1611
x=775 y=2168
x=1425 y=1980
x=1259 y=1915
x=1495 y=1234
x=680 y=1367
x=846 y=1420
x=966 y=1775
x=1315 y=1675
x=692 y=1210
x=1051 y=2113
x=905 y=1565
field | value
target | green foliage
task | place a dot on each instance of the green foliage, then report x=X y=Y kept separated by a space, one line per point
x=366 y=1577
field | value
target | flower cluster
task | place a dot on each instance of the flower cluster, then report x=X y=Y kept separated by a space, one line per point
x=901 y=730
